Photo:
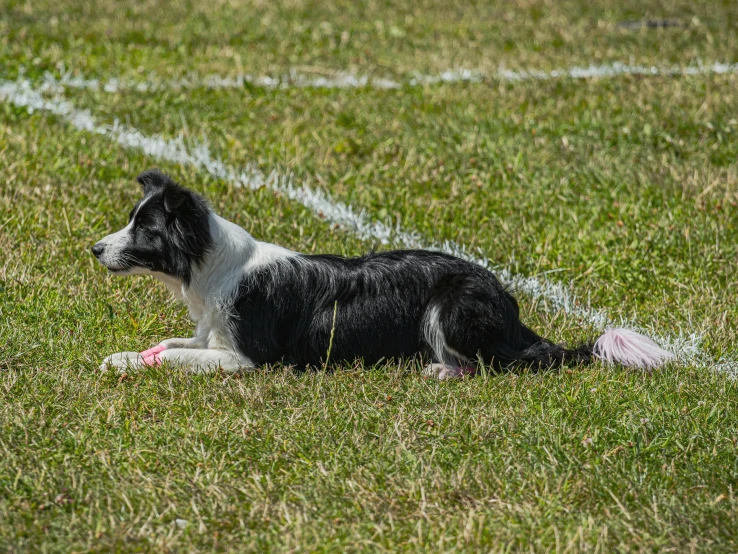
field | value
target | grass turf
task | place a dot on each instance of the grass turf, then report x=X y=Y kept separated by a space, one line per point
x=626 y=184
x=376 y=37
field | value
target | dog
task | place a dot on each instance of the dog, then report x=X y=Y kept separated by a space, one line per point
x=257 y=303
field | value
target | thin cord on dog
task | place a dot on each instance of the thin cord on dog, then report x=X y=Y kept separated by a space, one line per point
x=333 y=332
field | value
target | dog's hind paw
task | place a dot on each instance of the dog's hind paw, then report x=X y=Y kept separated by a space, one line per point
x=443 y=371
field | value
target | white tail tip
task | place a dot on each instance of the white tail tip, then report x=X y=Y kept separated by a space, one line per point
x=630 y=349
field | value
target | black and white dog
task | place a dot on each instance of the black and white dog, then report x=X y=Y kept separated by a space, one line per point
x=257 y=303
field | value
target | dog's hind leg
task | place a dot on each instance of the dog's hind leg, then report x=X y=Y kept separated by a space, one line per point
x=470 y=318
x=449 y=362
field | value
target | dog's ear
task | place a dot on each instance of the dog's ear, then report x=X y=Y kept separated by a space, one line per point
x=174 y=197
x=152 y=180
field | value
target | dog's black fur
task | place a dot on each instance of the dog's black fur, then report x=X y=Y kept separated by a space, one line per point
x=382 y=302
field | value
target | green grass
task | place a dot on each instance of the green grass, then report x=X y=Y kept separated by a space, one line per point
x=379 y=37
x=625 y=188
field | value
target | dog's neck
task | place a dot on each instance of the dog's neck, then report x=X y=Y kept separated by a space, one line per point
x=215 y=280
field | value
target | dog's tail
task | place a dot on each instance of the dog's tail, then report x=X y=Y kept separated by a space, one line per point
x=614 y=346
x=631 y=349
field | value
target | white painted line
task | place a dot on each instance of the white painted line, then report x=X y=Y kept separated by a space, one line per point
x=592 y=71
x=22 y=94
x=615 y=69
x=345 y=80
x=292 y=79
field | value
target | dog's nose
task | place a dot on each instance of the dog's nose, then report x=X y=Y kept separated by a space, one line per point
x=98 y=249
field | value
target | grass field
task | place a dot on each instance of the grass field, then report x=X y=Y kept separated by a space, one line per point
x=624 y=190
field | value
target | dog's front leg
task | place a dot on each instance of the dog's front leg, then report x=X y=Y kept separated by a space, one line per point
x=205 y=360
x=152 y=356
x=192 y=342
x=197 y=360
x=149 y=356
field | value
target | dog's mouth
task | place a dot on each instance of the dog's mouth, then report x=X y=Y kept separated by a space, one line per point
x=121 y=264
x=116 y=267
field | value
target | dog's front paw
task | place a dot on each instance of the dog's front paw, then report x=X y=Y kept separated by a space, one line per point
x=122 y=361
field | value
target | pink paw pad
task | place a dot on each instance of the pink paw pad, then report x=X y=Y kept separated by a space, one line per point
x=151 y=356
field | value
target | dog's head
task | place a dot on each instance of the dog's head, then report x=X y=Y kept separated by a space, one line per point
x=168 y=232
